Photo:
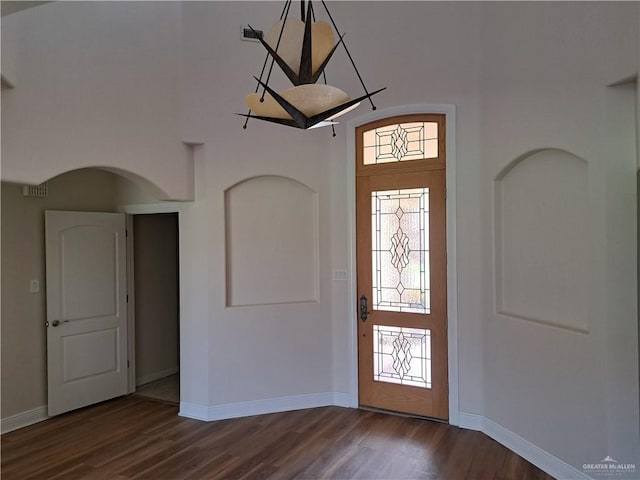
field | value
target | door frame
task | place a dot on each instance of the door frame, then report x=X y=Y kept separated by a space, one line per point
x=449 y=110
x=130 y=211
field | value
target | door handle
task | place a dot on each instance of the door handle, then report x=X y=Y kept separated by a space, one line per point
x=56 y=323
x=364 y=308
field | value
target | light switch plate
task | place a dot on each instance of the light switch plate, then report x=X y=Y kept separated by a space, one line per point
x=340 y=275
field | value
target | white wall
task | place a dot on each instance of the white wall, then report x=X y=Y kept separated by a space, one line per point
x=266 y=351
x=98 y=87
x=523 y=77
x=547 y=87
x=315 y=155
x=622 y=307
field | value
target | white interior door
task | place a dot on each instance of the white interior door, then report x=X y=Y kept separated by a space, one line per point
x=86 y=308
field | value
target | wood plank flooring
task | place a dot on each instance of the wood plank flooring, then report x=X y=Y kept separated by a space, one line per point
x=136 y=438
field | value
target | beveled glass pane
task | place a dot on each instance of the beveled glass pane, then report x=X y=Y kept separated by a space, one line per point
x=402 y=355
x=400 y=250
x=400 y=142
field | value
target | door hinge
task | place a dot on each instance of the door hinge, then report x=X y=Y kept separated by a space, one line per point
x=126 y=232
x=445 y=193
x=127 y=298
x=127 y=363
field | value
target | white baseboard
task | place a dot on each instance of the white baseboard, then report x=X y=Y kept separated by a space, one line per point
x=194 y=411
x=24 y=419
x=471 y=421
x=261 y=407
x=540 y=458
x=152 y=377
x=341 y=400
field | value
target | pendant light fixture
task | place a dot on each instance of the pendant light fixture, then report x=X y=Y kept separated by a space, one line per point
x=302 y=49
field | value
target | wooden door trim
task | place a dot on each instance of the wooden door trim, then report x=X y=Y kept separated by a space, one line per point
x=452 y=301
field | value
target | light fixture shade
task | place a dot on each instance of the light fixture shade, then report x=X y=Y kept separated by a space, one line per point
x=290 y=47
x=302 y=49
x=309 y=99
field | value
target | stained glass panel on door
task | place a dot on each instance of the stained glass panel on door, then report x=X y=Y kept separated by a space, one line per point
x=402 y=355
x=400 y=142
x=400 y=250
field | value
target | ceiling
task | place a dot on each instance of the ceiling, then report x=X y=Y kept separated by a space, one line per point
x=7 y=8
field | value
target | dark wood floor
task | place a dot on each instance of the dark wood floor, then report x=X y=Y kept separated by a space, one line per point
x=133 y=437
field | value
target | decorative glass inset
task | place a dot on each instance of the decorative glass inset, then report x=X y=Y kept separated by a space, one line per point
x=402 y=355
x=400 y=142
x=400 y=250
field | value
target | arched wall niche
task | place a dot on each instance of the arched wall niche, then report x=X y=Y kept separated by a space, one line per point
x=272 y=247
x=532 y=154
x=542 y=239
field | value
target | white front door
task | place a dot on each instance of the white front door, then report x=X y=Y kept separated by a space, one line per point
x=86 y=308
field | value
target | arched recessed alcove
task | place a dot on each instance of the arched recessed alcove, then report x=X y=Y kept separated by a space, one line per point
x=125 y=183
x=271 y=226
x=24 y=352
x=145 y=185
x=542 y=239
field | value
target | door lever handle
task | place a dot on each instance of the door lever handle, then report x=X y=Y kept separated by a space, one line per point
x=56 y=323
x=364 y=308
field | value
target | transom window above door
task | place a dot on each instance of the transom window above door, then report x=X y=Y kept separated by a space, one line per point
x=401 y=143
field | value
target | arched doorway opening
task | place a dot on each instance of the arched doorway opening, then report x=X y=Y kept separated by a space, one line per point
x=24 y=311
